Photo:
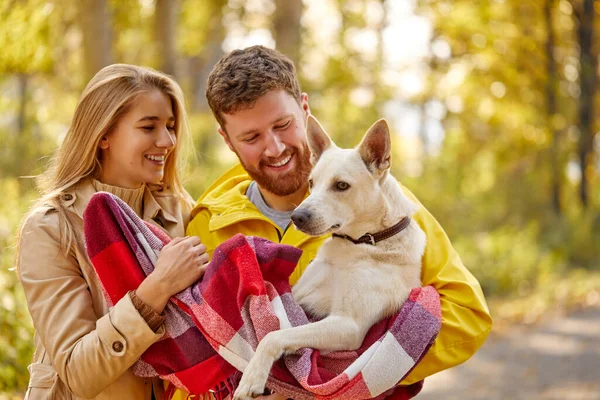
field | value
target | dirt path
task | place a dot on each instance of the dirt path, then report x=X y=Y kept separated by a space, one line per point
x=558 y=359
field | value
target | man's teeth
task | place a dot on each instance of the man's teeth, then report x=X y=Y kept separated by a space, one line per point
x=155 y=158
x=282 y=162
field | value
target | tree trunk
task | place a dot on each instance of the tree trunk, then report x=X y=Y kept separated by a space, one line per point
x=97 y=35
x=25 y=155
x=287 y=28
x=428 y=95
x=587 y=82
x=551 y=109
x=165 y=15
x=202 y=65
x=22 y=118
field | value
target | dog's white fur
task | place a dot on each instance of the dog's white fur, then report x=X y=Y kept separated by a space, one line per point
x=352 y=286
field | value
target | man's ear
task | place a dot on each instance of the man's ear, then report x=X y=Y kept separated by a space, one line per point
x=226 y=138
x=304 y=104
x=317 y=138
x=375 y=148
x=103 y=145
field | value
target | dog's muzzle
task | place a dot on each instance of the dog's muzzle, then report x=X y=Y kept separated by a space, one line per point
x=301 y=218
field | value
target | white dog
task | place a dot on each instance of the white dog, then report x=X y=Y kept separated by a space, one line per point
x=367 y=269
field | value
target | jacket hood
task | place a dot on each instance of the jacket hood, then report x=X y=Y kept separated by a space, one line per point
x=225 y=193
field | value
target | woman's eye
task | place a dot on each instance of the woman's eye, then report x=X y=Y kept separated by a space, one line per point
x=342 y=186
x=171 y=128
x=148 y=128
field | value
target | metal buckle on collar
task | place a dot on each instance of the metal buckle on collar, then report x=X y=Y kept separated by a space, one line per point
x=371 y=238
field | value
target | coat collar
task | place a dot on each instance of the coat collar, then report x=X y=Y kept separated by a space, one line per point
x=229 y=205
x=78 y=196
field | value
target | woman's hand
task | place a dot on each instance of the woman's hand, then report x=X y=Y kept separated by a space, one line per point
x=180 y=263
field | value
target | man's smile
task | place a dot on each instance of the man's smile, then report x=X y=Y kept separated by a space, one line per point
x=281 y=163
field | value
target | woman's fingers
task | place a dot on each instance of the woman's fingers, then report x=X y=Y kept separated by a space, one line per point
x=202 y=270
x=195 y=240
x=200 y=249
x=187 y=240
x=182 y=262
x=174 y=241
x=202 y=259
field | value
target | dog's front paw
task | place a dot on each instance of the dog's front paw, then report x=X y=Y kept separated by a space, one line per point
x=248 y=388
x=257 y=371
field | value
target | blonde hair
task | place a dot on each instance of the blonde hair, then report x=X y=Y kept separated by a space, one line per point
x=106 y=98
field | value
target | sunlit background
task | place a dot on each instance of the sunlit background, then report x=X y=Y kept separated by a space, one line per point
x=492 y=106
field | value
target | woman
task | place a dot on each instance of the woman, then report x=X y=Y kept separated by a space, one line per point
x=124 y=138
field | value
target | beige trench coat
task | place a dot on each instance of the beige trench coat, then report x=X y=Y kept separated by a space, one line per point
x=83 y=348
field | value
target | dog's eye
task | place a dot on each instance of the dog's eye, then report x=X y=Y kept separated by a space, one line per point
x=310 y=183
x=341 y=186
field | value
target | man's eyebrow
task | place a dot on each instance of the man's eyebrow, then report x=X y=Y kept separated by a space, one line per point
x=292 y=115
x=154 y=118
x=252 y=131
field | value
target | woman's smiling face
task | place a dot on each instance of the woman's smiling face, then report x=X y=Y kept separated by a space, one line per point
x=135 y=150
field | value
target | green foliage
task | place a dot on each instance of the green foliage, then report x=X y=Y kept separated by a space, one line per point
x=507 y=259
x=16 y=340
x=196 y=25
x=494 y=167
x=575 y=238
x=211 y=157
x=25 y=36
x=556 y=293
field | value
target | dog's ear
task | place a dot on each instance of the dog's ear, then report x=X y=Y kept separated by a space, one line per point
x=375 y=147
x=318 y=140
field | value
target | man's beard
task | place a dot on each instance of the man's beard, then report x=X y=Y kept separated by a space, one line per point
x=283 y=184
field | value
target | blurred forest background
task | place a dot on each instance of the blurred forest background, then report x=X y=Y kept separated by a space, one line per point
x=493 y=107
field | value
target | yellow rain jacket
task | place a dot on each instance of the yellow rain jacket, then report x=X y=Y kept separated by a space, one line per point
x=224 y=210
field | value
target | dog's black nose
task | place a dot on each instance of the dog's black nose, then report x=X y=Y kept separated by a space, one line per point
x=300 y=217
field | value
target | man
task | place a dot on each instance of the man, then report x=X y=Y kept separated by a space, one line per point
x=255 y=96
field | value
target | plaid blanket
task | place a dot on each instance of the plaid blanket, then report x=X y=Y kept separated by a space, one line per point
x=123 y=249
x=245 y=294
